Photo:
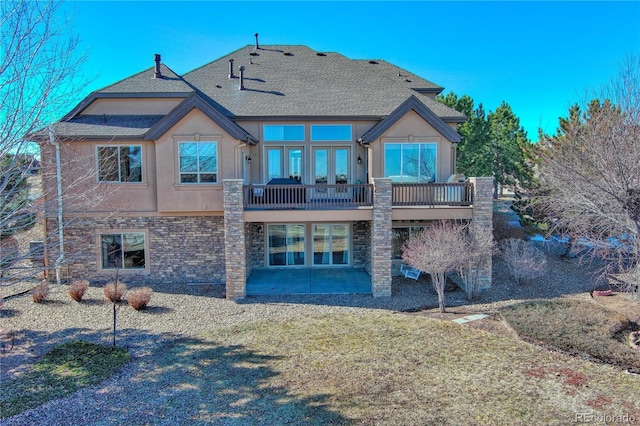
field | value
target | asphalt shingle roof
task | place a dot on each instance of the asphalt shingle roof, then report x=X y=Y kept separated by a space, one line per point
x=144 y=82
x=109 y=126
x=281 y=81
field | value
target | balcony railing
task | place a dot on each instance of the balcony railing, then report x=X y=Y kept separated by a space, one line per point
x=307 y=197
x=432 y=194
x=350 y=196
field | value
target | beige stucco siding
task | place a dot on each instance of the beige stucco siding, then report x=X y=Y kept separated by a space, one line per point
x=412 y=129
x=82 y=190
x=176 y=197
x=156 y=106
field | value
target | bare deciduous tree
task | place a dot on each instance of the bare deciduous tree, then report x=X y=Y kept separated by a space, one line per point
x=39 y=65
x=590 y=172
x=437 y=250
x=479 y=249
x=525 y=261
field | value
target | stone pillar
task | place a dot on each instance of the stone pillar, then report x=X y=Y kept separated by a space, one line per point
x=381 y=238
x=482 y=217
x=235 y=258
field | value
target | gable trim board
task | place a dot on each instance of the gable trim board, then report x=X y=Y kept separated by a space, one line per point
x=195 y=101
x=424 y=112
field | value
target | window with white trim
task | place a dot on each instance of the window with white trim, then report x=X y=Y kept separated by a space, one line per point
x=410 y=162
x=198 y=162
x=124 y=250
x=119 y=163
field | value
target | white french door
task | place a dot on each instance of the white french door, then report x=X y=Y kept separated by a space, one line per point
x=285 y=162
x=332 y=165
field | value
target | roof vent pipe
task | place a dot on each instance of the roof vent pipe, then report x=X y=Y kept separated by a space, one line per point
x=231 y=69
x=157 y=73
x=257 y=45
x=241 y=77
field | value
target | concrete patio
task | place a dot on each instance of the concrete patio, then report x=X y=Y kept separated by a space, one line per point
x=268 y=281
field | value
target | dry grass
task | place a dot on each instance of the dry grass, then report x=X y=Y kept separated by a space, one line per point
x=402 y=369
x=40 y=292
x=577 y=327
x=114 y=291
x=77 y=289
x=138 y=298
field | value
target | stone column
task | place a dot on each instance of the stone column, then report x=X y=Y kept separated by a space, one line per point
x=381 y=238
x=235 y=258
x=482 y=217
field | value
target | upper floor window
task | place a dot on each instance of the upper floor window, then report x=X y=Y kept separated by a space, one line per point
x=120 y=163
x=331 y=132
x=410 y=162
x=283 y=132
x=198 y=162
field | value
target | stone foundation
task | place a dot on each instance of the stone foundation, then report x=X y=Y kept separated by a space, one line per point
x=180 y=249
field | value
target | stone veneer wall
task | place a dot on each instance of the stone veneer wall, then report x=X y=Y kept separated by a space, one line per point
x=235 y=249
x=381 y=238
x=180 y=249
x=482 y=217
x=362 y=245
x=255 y=245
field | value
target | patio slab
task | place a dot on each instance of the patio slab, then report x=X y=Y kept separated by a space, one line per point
x=266 y=281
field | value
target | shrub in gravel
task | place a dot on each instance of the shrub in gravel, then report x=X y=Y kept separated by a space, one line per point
x=114 y=291
x=525 y=261
x=77 y=289
x=139 y=298
x=40 y=292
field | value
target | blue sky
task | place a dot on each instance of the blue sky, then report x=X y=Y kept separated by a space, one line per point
x=539 y=57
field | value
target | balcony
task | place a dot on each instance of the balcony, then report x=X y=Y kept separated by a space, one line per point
x=353 y=196
x=432 y=194
x=307 y=197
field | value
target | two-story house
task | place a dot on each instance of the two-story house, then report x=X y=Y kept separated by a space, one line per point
x=270 y=158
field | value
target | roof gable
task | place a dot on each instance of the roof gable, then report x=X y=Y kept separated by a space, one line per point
x=196 y=101
x=412 y=103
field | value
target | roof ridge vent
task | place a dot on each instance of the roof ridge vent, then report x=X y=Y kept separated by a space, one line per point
x=157 y=73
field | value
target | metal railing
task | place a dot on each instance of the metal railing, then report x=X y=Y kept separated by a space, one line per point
x=432 y=194
x=307 y=197
x=349 y=196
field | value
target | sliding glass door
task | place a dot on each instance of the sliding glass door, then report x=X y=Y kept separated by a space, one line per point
x=286 y=245
x=331 y=244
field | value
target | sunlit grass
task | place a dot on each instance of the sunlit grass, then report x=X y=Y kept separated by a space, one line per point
x=65 y=369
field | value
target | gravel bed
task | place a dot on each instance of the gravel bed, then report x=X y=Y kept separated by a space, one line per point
x=180 y=311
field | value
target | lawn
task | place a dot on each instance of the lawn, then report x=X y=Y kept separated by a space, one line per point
x=357 y=368
x=64 y=370
x=385 y=368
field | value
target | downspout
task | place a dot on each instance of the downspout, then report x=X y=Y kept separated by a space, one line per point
x=60 y=258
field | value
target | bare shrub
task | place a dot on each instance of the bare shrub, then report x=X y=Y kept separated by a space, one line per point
x=114 y=291
x=40 y=292
x=480 y=248
x=77 y=289
x=139 y=297
x=439 y=249
x=504 y=228
x=524 y=261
